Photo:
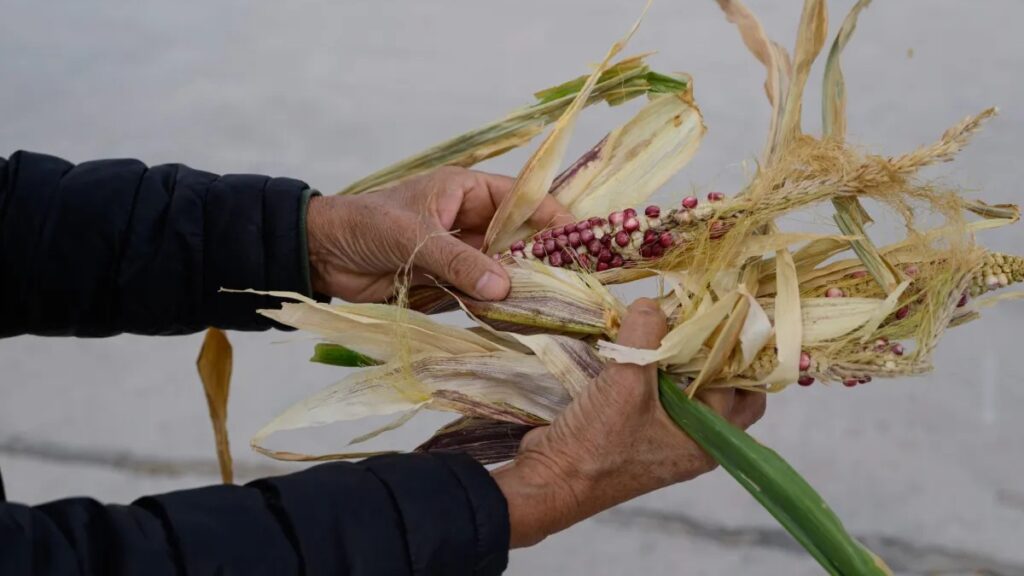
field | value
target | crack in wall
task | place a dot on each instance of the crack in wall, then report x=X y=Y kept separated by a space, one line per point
x=903 y=556
x=124 y=461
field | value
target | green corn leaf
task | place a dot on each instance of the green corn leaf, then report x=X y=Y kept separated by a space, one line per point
x=337 y=355
x=774 y=483
x=622 y=82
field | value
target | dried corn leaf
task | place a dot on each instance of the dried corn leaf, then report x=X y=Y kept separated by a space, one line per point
x=789 y=332
x=833 y=96
x=724 y=346
x=214 y=365
x=828 y=319
x=810 y=39
x=624 y=81
x=502 y=386
x=681 y=343
x=487 y=441
x=373 y=329
x=772 y=56
x=756 y=333
x=572 y=362
x=553 y=299
x=887 y=307
x=634 y=160
x=536 y=177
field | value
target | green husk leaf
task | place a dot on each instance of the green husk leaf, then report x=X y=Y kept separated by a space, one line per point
x=773 y=483
x=337 y=355
x=622 y=82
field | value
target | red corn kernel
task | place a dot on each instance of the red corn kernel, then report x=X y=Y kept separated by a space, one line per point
x=834 y=293
x=555 y=259
x=963 y=300
x=586 y=236
x=519 y=245
x=805 y=361
x=538 y=250
x=657 y=251
x=584 y=225
x=715 y=196
x=549 y=245
x=622 y=238
x=652 y=211
x=629 y=213
x=650 y=236
x=594 y=246
x=596 y=221
x=605 y=255
x=645 y=252
x=850 y=382
x=631 y=224
x=574 y=239
x=616 y=262
x=805 y=380
x=616 y=218
x=903 y=313
x=562 y=241
x=606 y=239
x=546 y=234
x=584 y=260
x=897 y=349
x=864 y=380
x=602 y=266
x=690 y=202
x=666 y=240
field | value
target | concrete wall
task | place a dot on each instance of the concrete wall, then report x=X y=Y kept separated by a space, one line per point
x=927 y=470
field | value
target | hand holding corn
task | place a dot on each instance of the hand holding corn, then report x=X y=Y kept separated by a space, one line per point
x=612 y=443
x=357 y=244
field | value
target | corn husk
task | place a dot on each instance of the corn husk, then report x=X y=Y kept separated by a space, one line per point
x=746 y=307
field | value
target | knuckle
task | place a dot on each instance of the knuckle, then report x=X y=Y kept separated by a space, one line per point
x=458 y=263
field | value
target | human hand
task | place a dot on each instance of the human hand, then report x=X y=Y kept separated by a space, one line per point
x=612 y=444
x=357 y=244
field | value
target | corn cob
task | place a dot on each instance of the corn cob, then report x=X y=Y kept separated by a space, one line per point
x=625 y=238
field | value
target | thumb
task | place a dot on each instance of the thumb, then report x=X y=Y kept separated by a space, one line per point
x=643 y=326
x=465 y=267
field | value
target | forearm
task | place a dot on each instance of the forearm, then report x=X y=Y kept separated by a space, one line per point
x=102 y=248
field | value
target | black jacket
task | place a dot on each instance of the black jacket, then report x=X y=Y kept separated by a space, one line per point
x=108 y=247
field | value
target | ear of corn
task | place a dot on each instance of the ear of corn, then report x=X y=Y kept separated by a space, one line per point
x=745 y=309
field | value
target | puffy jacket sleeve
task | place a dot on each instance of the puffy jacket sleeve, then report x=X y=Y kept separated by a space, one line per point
x=420 y=515
x=113 y=246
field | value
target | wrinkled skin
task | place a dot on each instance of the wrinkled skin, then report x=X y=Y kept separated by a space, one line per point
x=613 y=443
x=436 y=221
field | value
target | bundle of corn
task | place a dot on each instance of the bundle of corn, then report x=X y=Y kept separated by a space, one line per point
x=745 y=311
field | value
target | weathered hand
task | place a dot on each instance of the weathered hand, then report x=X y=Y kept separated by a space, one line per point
x=613 y=443
x=358 y=243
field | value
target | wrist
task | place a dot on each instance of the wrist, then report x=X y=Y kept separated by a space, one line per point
x=319 y=218
x=541 y=500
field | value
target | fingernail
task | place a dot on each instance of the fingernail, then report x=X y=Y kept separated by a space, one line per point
x=491 y=286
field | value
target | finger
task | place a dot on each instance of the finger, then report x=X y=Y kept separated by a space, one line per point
x=718 y=399
x=461 y=265
x=550 y=213
x=748 y=407
x=643 y=326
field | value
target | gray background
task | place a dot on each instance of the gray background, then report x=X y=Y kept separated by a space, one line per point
x=927 y=470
